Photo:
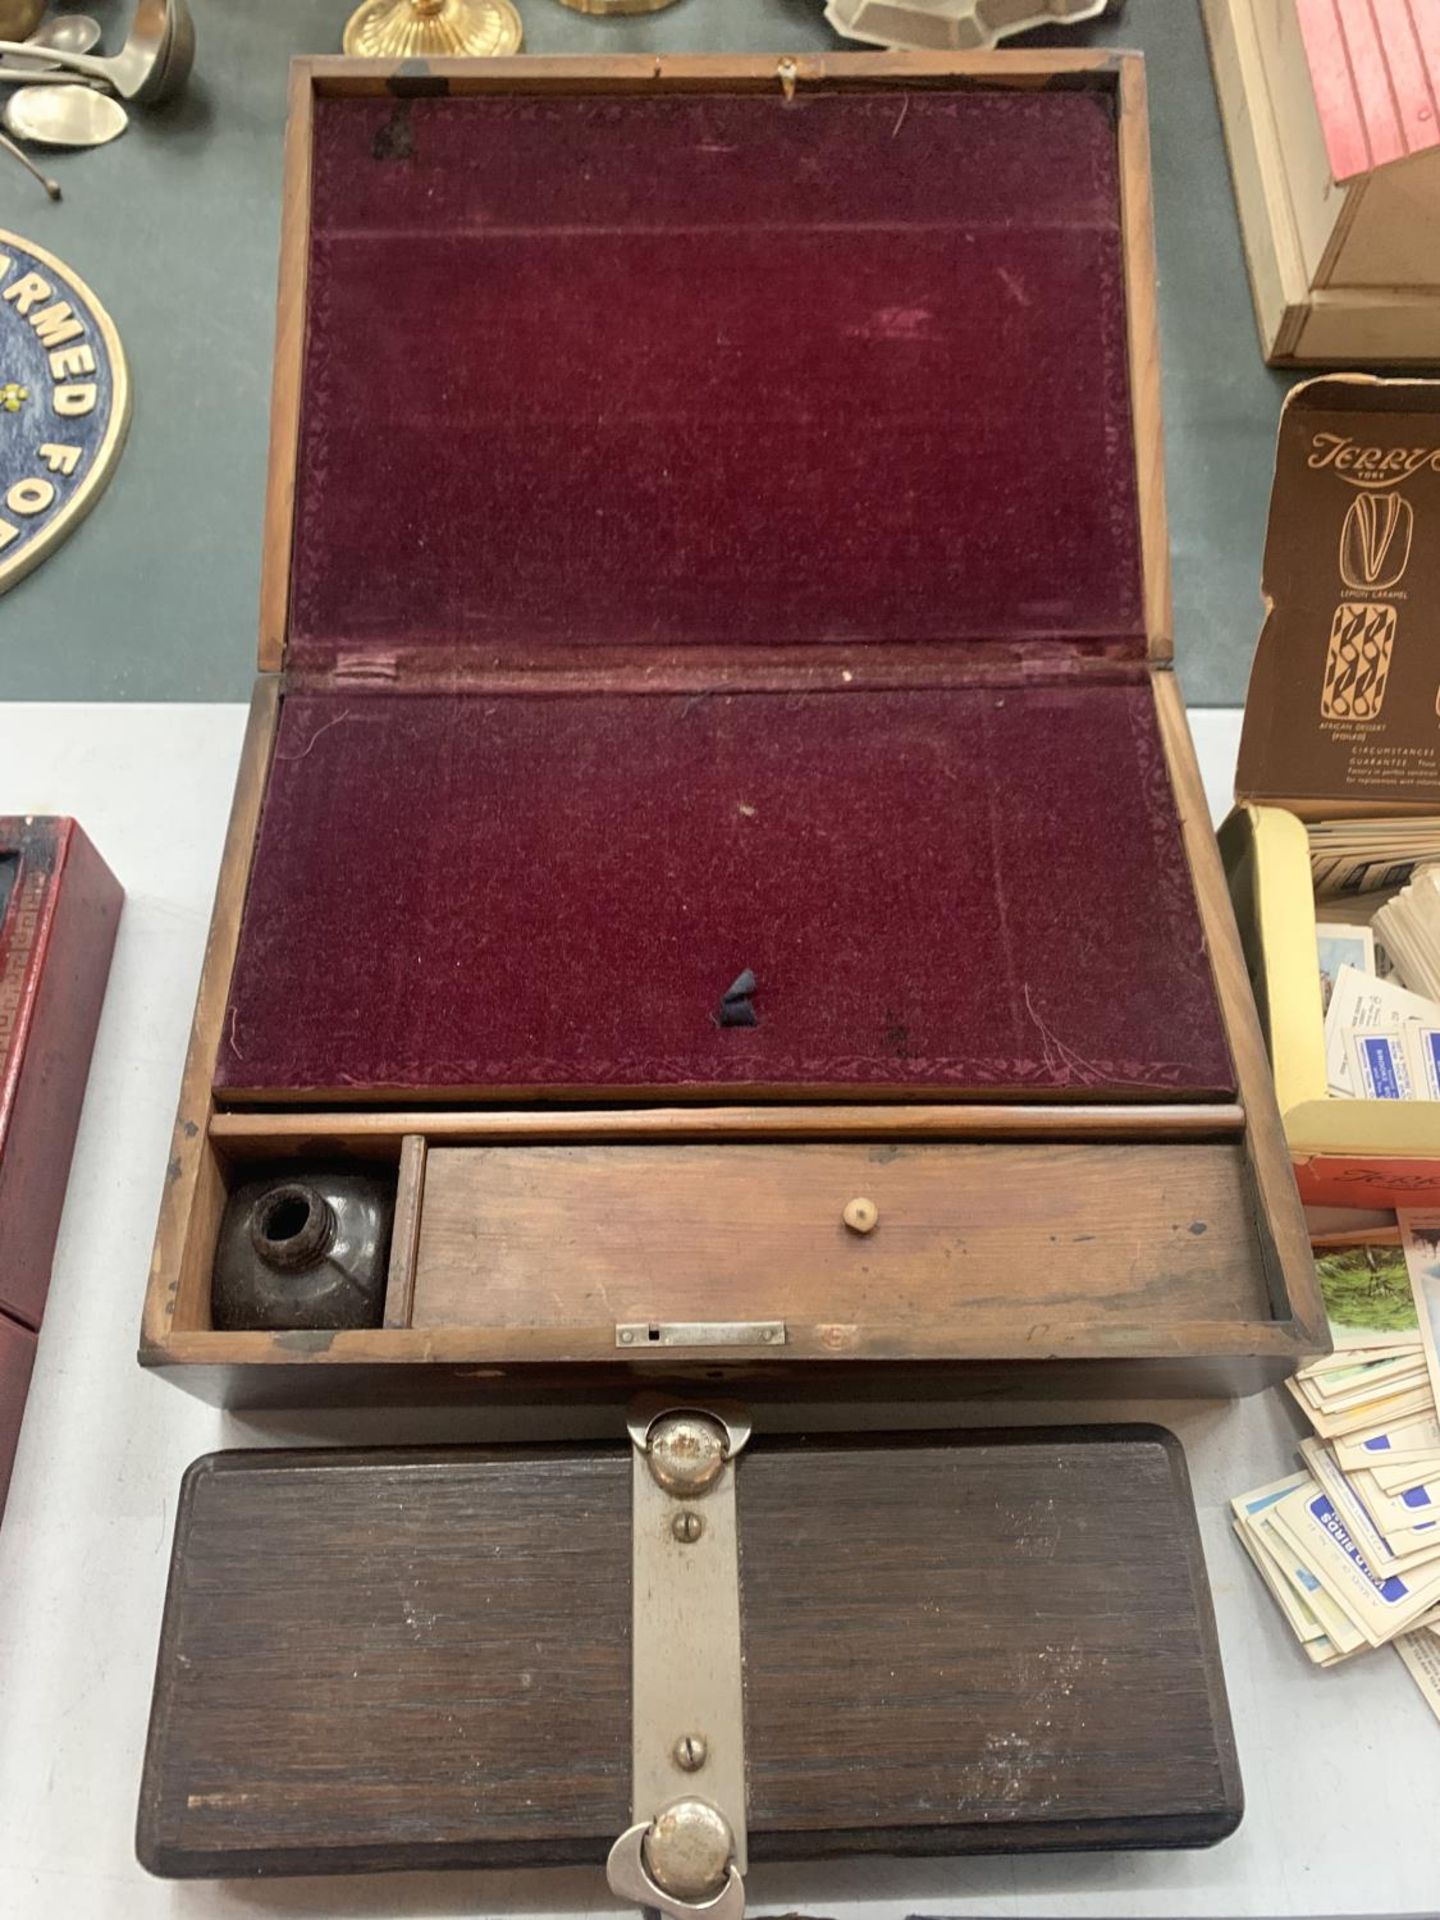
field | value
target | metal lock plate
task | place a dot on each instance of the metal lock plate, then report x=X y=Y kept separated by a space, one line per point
x=700 y=1333
x=686 y=1853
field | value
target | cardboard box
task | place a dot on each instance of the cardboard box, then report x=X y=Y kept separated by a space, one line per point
x=1342 y=263
x=1340 y=720
x=773 y=578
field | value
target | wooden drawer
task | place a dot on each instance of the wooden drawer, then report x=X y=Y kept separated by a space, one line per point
x=1024 y=1241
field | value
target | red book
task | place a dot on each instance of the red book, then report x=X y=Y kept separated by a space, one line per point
x=59 y=908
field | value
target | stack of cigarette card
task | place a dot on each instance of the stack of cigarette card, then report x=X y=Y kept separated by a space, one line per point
x=1409 y=925
x=1377 y=933
x=1382 y=1042
x=1363 y=856
x=1349 y=1546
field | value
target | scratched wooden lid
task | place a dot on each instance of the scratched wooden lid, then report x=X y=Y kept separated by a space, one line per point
x=982 y=1642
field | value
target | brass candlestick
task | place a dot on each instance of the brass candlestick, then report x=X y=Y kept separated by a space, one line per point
x=427 y=29
x=616 y=6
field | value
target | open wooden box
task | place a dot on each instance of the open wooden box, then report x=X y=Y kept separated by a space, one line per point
x=716 y=522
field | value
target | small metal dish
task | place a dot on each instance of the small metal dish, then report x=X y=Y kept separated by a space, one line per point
x=64 y=116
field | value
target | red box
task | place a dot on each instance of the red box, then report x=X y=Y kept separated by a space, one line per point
x=17 y=1356
x=59 y=908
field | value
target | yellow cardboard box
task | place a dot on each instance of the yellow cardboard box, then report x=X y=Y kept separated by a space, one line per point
x=1342 y=719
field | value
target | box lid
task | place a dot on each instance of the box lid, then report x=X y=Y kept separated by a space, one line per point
x=1341 y=713
x=609 y=357
x=410 y=1659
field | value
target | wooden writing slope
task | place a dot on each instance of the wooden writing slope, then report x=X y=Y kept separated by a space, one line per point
x=774 y=582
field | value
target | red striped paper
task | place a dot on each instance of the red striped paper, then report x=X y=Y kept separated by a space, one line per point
x=1375 y=65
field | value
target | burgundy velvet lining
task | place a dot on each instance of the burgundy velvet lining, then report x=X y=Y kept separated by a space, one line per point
x=975 y=889
x=701 y=369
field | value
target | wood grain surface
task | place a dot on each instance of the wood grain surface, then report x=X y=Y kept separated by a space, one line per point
x=1280 y=1220
x=302 y=1130
x=290 y=315
x=178 y=1294
x=405 y=1233
x=1143 y=325
x=594 y=1235
x=399 y=1659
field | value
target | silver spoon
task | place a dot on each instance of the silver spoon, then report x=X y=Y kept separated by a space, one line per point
x=64 y=115
x=153 y=65
x=62 y=33
x=51 y=186
x=66 y=33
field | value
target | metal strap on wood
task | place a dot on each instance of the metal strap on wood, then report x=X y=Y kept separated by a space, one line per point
x=685 y=1854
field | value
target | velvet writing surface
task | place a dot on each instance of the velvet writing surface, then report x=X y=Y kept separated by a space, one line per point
x=971 y=889
x=701 y=369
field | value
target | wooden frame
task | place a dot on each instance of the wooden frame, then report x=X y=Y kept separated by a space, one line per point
x=399 y=1360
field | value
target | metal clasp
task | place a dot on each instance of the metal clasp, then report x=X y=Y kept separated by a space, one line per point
x=700 y=1333
x=686 y=1853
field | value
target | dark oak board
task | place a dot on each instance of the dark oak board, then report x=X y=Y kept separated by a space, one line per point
x=411 y=1659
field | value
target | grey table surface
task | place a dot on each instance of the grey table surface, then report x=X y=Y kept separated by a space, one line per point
x=175 y=227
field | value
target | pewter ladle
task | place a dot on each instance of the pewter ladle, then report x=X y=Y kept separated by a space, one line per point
x=153 y=65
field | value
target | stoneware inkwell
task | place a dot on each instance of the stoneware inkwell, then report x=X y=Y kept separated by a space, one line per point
x=304 y=1251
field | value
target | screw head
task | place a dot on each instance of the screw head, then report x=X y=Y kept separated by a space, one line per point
x=691 y=1752
x=687 y=1527
x=687 y=1453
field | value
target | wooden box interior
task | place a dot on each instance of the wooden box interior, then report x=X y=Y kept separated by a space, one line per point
x=999 y=984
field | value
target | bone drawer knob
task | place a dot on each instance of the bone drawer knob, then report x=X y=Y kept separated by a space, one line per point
x=861 y=1215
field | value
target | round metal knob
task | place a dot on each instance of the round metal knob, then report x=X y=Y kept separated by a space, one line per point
x=861 y=1215
x=688 y=1849
x=687 y=1453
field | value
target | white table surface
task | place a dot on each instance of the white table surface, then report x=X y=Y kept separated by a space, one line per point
x=1342 y=1770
